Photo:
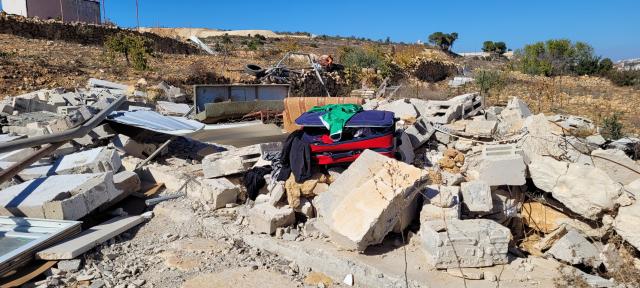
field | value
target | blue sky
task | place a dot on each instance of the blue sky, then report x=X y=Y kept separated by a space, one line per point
x=612 y=27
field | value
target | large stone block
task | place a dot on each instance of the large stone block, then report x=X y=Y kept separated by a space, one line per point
x=540 y=139
x=442 y=196
x=432 y=212
x=218 y=192
x=477 y=243
x=67 y=197
x=265 y=218
x=420 y=132
x=502 y=165
x=401 y=108
x=101 y=159
x=131 y=147
x=235 y=161
x=575 y=249
x=626 y=224
x=476 y=196
x=482 y=128
x=586 y=190
x=617 y=165
x=545 y=172
x=365 y=202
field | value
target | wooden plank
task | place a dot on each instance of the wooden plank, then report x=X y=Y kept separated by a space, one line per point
x=153 y=190
x=22 y=277
x=89 y=238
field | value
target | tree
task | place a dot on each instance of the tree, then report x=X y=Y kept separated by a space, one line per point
x=443 y=40
x=488 y=46
x=134 y=48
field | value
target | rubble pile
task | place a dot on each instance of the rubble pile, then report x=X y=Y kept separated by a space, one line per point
x=468 y=186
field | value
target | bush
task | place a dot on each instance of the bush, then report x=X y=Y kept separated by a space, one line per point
x=611 y=126
x=560 y=57
x=624 y=78
x=489 y=80
x=135 y=49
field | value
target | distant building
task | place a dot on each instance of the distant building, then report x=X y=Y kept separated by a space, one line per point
x=68 y=10
x=629 y=64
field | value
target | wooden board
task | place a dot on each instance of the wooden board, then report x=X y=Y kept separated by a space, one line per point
x=26 y=275
x=89 y=238
x=153 y=190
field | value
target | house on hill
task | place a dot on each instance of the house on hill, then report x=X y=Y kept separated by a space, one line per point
x=87 y=11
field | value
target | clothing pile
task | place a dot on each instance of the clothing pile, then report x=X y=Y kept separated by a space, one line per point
x=334 y=134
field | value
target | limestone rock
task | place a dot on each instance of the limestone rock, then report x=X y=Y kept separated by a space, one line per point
x=545 y=172
x=476 y=196
x=574 y=249
x=364 y=203
x=607 y=160
x=586 y=190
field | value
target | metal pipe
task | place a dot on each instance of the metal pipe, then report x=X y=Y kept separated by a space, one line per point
x=164 y=145
x=62 y=136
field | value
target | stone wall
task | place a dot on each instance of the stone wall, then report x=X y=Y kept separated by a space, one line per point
x=87 y=34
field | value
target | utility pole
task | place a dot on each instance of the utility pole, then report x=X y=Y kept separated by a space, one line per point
x=61 y=11
x=137 y=15
x=104 y=12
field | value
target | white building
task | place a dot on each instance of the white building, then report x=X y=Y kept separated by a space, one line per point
x=68 y=10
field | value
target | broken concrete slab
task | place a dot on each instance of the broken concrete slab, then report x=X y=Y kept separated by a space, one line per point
x=545 y=172
x=101 y=159
x=76 y=246
x=502 y=165
x=236 y=161
x=64 y=197
x=477 y=243
x=431 y=212
x=420 y=132
x=127 y=181
x=482 y=128
x=575 y=249
x=360 y=217
x=264 y=218
x=626 y=224
x=401 y=108
x=540 y=139
x=476 y=196
x=172 y=109
x=586 y=190
x=442 y=196
x=217 y=192
x=85 y=198
x=617 y=165
x=128 y=146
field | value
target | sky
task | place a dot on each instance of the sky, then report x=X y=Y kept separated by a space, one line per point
x=612 y=27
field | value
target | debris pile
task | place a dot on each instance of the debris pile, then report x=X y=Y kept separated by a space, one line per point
x=467 y=186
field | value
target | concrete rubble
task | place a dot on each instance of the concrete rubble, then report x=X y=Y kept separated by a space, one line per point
x=469 y=187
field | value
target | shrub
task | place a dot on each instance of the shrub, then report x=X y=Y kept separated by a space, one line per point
x=488 y=80
x=624 y=78
x=611 y=126
x=560 y=57
x=135 y=49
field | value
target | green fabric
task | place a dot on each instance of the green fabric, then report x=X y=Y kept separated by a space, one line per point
x=336 y=117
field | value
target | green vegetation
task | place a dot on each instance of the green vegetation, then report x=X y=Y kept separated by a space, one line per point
x=135 y=49
x=611 y=126
x=443 y=40
x=488 y=80
x=624 y=78
x=494 y=47
x=560 y=57
x=371 y=56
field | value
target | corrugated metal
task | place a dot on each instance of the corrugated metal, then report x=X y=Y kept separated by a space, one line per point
x=153 y=121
